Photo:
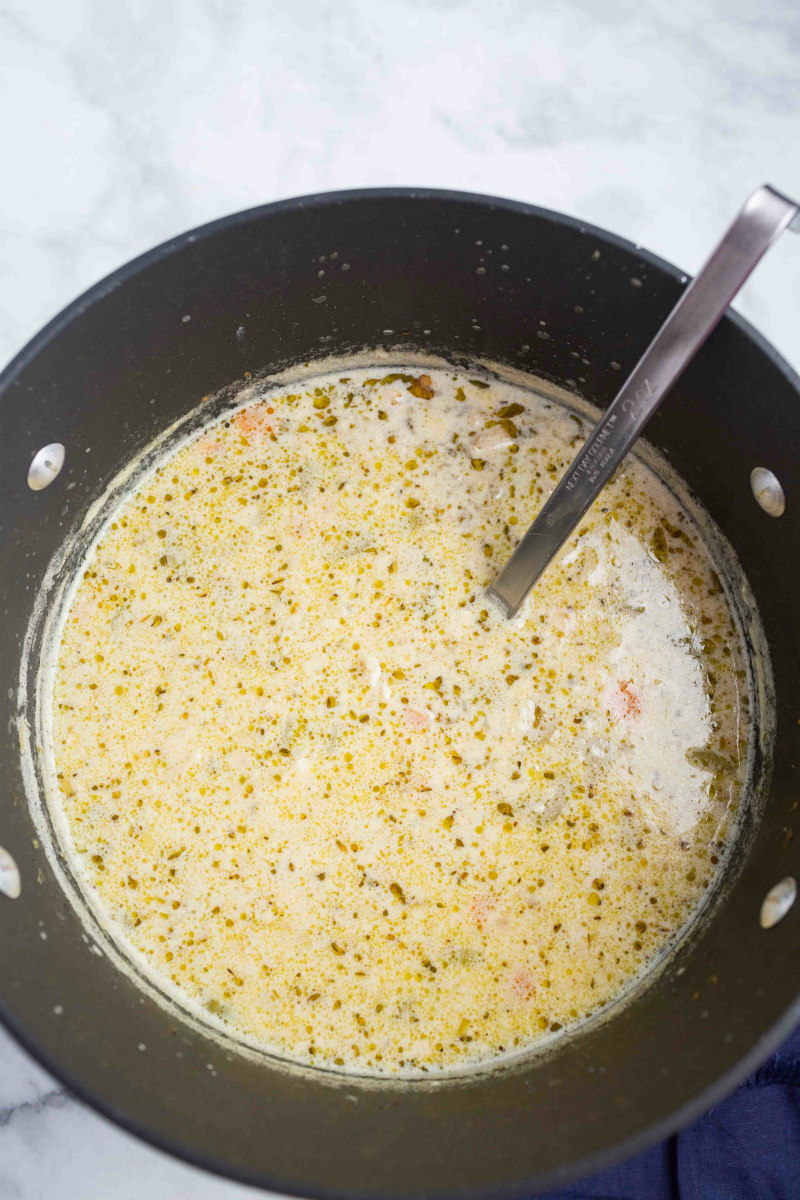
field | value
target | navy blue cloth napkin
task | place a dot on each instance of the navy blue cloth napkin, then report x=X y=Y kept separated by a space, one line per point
x=746 y=1148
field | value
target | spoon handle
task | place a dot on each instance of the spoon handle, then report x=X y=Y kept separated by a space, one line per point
x=765 y=215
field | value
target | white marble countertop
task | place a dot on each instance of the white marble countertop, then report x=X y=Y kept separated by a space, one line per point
x=127 y=121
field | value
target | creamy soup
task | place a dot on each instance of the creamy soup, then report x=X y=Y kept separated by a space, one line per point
x=328 y=792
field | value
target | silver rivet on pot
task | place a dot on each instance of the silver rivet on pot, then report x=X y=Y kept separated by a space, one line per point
x=46 y=466
x=768 y=492
x=777 y=902
x=10 y=882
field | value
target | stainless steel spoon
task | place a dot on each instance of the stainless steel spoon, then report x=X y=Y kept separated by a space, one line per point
x=764 y=217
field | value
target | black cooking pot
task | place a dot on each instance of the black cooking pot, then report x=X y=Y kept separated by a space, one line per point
x=467 y=277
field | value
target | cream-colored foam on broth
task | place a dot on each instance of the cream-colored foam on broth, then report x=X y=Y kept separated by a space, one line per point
x=335 y=797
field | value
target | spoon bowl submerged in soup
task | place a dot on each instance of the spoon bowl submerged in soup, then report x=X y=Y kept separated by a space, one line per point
x=328 y=792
